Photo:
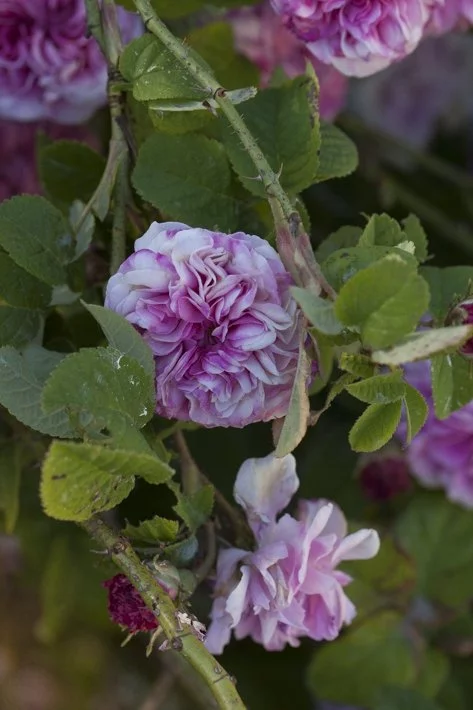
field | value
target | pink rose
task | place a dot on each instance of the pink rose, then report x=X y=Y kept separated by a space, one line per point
x=49 y=68
x=289 y=586
x=218 y=315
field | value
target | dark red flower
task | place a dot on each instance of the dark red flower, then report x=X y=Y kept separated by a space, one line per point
x=126 y=607
x=385 y=477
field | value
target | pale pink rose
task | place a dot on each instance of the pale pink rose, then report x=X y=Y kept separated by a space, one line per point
x=49 y=68
x=289 y=587
x=218 y=315
x=446 y=15
x=261 y=36
x=358 y=37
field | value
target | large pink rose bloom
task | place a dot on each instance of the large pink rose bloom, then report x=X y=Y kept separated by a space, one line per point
x=441 y=455
x=289 y=586
x=358 y=37
x=216 y=310
x=262 y=37
x=49 y=68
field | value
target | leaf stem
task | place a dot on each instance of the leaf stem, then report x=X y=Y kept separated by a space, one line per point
x=157 y=600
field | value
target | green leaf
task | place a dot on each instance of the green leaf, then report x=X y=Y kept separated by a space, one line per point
x=188 y=177
x=153 y=531
x=58 y=591
x=296 y=420
x=282 y=121
x=359 y=365
x=379 y=389
x=319 y=311
x=215 y=44
x=122 y=336
x=195 y=509
x=156 y=73
x=415 y=233
x=433 y=673
x=404 y=699
x=437 y=534
x=70 y=170
x=346 y=236
x=22 y=378
x=447 y=286
x=452 y=383
x=421 y=346
x=99 y=384
x=18 y=326
x=343 y=264
x=338 y=154
x=417 y=411
x=382 y=230
x=35 y=235
x=80 y=480
x=385 y=300
x=375 y=427
x=375 y=654
x=10 y=475
x=19 y=288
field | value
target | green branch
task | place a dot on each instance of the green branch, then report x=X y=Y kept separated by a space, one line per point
x=180 y=636
x=293 y=243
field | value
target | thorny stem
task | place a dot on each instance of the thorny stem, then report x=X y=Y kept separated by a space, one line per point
x=220 y=684
x=293 y=242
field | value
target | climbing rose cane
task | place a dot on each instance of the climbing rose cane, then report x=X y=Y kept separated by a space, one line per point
x=49 y=68
x=261 y=36
x=218 y=315
x=288 y=587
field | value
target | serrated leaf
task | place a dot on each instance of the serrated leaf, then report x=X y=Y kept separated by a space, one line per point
x=80 y=480
x=195 y=509
x=369 y=657
x=282 y=121
x=383 y=231
x=417 y=411
x=386 y=300
x=101 y=383
x=122 y=336
x=189 y=178
x=423 y=345
x=22 y=378
x=338 y=154
x=343 y=264
x=18 y=326
x=359 y=365
x=379 y=389
x=36 y=236
x=415 y=233
x=70 y=170
x=10 y=475
x=297 y=418
x=375 y=427
x=346 y=236
x=155 y=72
x=19 y=288
x=437 y=534
x=447 y=286
x=319 y=311
x=153 y=531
